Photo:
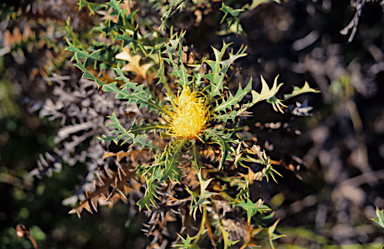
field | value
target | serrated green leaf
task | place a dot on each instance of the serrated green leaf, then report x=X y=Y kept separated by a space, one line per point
x=232 y=57
x=86 y=73
x=193 y=208
x=277 y=104
x=204 y=194
x=233 y=100
x=269 y=216
x=380 y=217
x=149 y=196
x=72 y=36
x=172 y=45
x=252 y=208
x=137 y=129
x=216 y=86
x=141 y=141
x=181 y=74
x=196 y=164
x=270 y=171
x=219 y=55
x=119 y=129
x=226 y=116
x=162 y=79
x=93 y=7
x=139 y=95
x=219 y=70
x=168 y=12
x=272 y=235
x=79 y=53
x=233 y=20
x=114 y=4
x=125 y=38
x=186 y=243
x=266 y=93
x=222 y=141
x=172 y=156
x=297 y=91
x=107 y=138
x=127 y=82
x=228 y=10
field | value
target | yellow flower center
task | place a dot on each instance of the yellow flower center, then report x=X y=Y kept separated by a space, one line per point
x=190 y=115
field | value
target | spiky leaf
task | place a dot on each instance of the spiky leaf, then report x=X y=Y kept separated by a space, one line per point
x=123 y=134
x=252 y=208
x=137 y=129
x=380 y=217
x=141 y=141
x=187 y=243
x=272 y=235
x=233 y=100
x=266 y=93
x=149 y=196
x=297 y=91
x=222 y=141
x=139 y=95
x=93 y=7
x=204 y=193
x=172 y=157
x=196 y=164
x=86 y=73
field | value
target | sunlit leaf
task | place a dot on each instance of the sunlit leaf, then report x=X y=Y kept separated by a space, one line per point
x=204 y=193
x=233 y=100
x=272 y=235
x=297 y=91
x=380 y=217
x=186 y=243
x=252 y=208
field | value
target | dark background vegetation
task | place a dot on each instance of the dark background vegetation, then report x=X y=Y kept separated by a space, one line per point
x=327 y=195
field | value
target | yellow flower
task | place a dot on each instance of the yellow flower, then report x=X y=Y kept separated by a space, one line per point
x=190 y=116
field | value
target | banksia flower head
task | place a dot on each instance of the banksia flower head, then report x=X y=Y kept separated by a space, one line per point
x=190 y=115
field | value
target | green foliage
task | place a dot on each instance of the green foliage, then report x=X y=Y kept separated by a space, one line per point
x=187 y=243
x=203 y=185
x=297 y=91
x=232 y=16
x=124 y=135
x=130 y=58
x=149 y=196
x=252 y=208
x=380 y=217
x=272 y=235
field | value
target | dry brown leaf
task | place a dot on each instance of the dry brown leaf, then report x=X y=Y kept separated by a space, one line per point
x=119 y=155
x=249 y=240
x=107 y=15
x=191 y=177
x=11 y=39
x=209 y=153
x=168 y=218
x=251 y=176
x=102 y=194
x=134 y=64
x=126 y=5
